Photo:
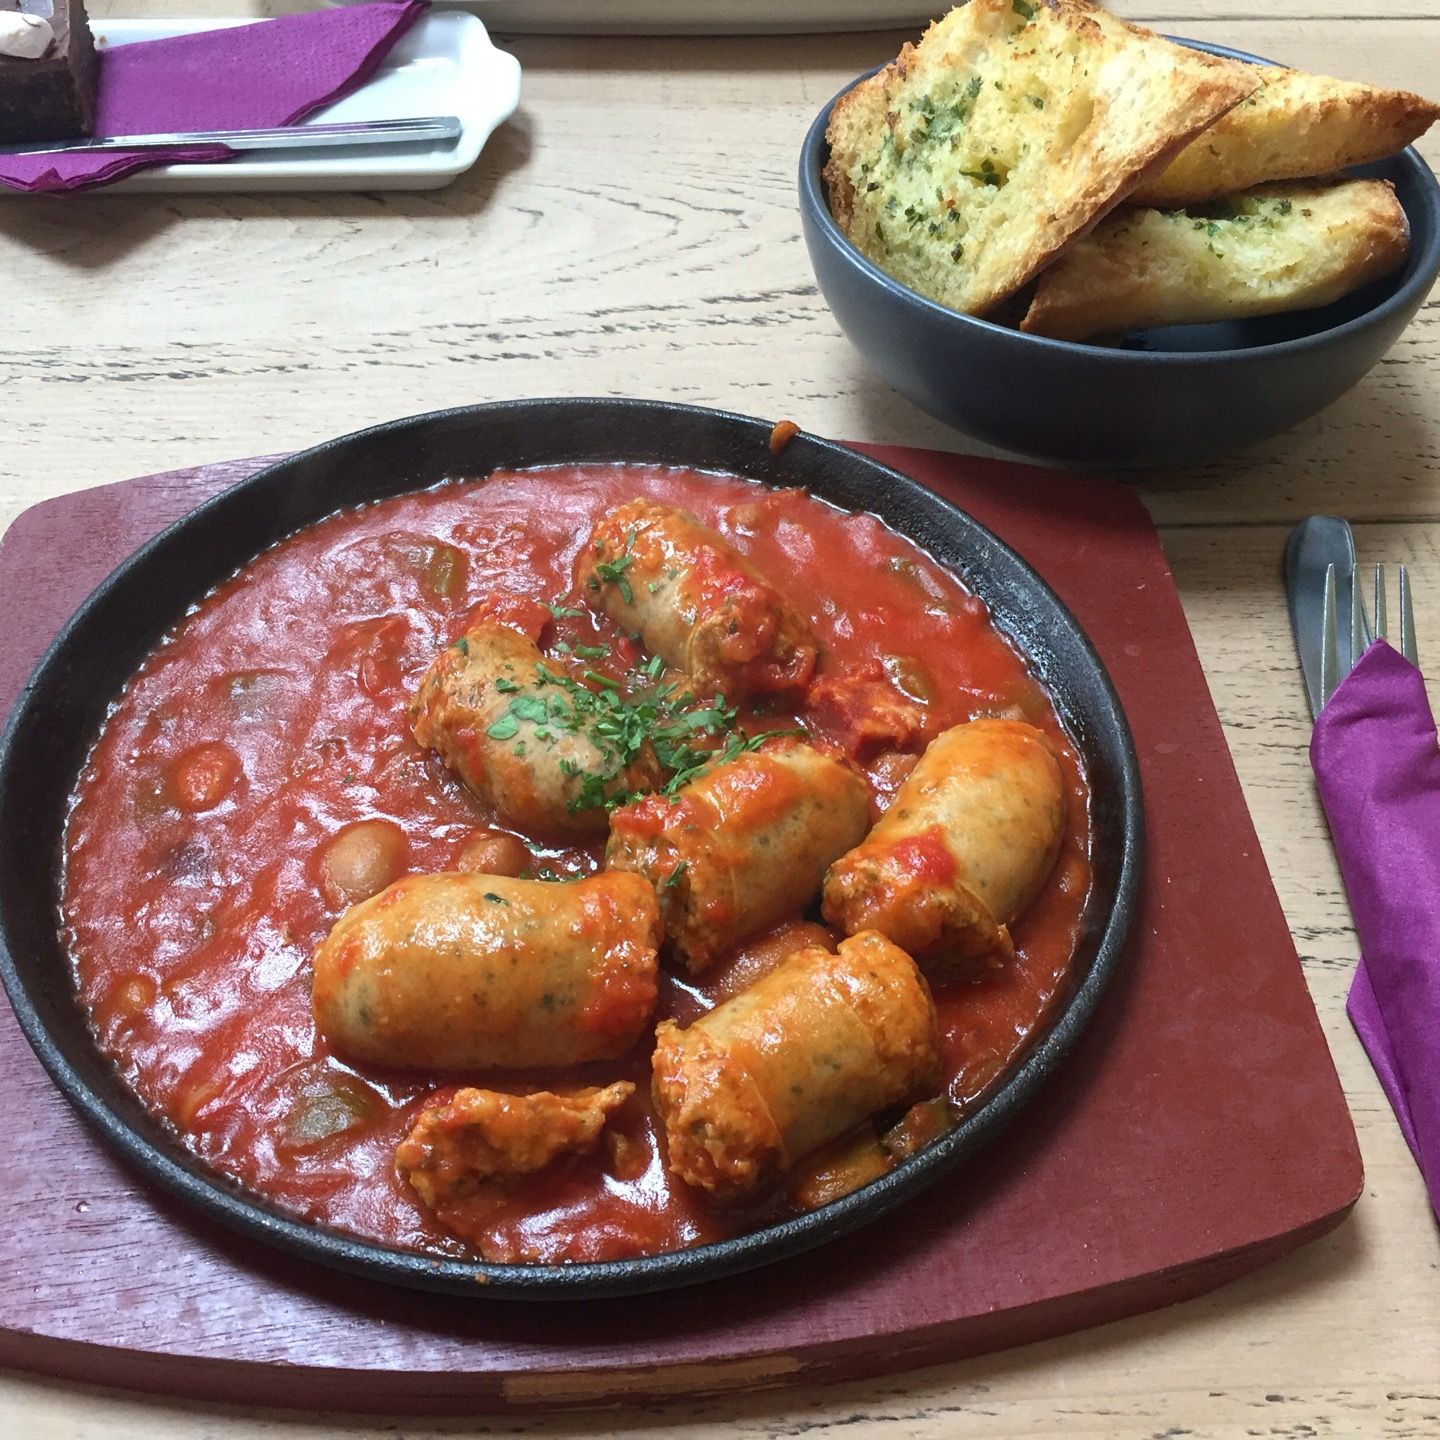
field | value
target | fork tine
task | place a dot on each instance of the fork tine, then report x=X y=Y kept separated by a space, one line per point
x=1359 y=621
x=1329 y=660
x=1408 y=648
x=1381 y=625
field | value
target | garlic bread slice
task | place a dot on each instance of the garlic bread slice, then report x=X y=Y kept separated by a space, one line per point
x=963 y=168
x=1273 y=249
x=1294 y=125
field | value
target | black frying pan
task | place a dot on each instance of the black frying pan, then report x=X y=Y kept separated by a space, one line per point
x=61 y=708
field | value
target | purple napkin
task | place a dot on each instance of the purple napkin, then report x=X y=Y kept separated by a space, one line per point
x=245 y=77
x=1377 y=765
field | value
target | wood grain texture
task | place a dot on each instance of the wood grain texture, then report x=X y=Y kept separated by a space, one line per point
x=633 y=231
x=1247 y=1150
x=1159 y=14
x=555 y=267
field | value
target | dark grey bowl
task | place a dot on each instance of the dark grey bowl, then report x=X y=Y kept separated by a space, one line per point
x=1165 y=397
x=62 y=705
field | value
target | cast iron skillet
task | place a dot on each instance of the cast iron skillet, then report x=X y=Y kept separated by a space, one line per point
x=58 y=714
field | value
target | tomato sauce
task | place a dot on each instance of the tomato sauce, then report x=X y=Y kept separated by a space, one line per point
x=273 y=717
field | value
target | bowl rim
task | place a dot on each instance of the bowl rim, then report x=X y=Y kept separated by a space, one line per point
x=815 y=205
x=253 y=1214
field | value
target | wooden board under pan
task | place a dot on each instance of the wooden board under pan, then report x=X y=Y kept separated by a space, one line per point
x=1196 y=1132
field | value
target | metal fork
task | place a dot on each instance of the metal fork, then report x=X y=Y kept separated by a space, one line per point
x=1360 y=633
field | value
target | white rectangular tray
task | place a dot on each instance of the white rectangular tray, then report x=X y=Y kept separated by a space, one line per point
x=444 y=65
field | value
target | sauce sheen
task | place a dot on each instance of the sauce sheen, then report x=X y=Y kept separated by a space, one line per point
x=197 y=886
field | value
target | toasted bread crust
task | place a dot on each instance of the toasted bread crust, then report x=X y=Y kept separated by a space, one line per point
x=970 y=162
x=1293 y=126
x=1282 y=247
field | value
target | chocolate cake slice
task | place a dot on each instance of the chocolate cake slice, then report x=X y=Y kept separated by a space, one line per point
x=51 y=97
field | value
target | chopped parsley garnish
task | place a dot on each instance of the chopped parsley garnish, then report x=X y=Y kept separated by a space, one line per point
x=506 y=687
x=462 y=645
x=1037 y=101
x=939 y=121
x=673 y=878
x=561 y=611
x=613 y=571
x=684 y=734
x=1026 y=12
x=496 y=899
x=737 y=743
x=529 y=707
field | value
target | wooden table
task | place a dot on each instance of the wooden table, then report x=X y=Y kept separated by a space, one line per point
x=634 y=232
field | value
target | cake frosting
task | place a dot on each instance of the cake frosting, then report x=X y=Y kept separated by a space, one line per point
x=48 y=69
x=25 y=37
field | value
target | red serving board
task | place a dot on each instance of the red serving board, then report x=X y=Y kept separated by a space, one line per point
x=1197 y=1131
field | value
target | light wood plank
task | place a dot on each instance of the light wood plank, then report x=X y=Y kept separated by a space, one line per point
x=634 y=232
x=269 y=322
x=1157 y=13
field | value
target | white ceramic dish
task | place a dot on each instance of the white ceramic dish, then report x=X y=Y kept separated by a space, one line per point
x=444 y=65
x=700 y=17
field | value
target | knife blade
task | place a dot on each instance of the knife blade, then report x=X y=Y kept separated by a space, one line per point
x=1316 y=544
x=404 y=131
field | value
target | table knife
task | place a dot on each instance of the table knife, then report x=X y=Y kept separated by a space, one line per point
x=1314 y=546
x=405 y=131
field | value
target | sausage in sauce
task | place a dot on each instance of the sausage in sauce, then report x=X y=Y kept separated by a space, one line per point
x=497 y=714
x=819 y=1044
x=742 y=846
x=962 y=850
x=483 y=1136
x=464 y=971
x=695 y=601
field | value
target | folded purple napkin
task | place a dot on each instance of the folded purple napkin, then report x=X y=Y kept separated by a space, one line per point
x=245 y=77
x=1377 y=766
